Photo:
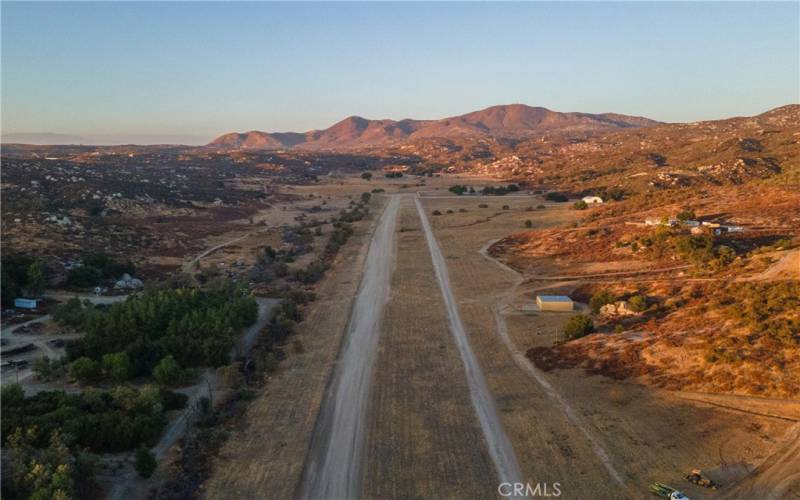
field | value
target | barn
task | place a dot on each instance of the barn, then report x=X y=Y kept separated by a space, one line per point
x=554 y=303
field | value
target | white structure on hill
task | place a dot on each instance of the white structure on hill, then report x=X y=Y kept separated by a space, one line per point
x=592 y=200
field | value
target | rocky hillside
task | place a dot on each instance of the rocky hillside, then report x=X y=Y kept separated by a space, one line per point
x=515 y=121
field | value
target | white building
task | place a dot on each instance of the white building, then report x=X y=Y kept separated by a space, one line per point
x=591 y=200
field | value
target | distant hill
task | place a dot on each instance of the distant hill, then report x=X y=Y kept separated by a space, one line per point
x=42 y=138
x=516 y=121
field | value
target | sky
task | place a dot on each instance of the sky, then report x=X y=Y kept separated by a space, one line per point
x=188 y=71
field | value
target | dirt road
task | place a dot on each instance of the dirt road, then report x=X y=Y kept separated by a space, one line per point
x=334 y=464
x=500 y=448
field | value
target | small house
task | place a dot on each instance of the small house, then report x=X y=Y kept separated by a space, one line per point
x=22 y=303
x=592 y=200
x=554 y=303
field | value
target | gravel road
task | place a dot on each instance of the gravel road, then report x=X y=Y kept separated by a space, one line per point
x=500 y=449
x=333 y=469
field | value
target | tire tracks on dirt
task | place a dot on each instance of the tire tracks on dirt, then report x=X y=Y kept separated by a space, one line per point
x=500 y=448
x=333 y=469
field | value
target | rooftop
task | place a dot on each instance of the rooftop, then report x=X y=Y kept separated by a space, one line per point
x=554 y=298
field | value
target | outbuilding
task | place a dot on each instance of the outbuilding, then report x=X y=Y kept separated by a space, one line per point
x=554 y=303
x=592 y=200
x=22 y=303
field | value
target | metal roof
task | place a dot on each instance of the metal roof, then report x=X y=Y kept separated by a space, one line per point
x=554 y=298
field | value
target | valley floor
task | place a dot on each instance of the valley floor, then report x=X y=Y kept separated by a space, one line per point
x=596 y=437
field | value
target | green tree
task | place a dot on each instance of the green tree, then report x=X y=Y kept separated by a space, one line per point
x=600 y=299
x=578 y=326
x=36 y=281
x=168 y=371
x=580 y=205
x=117 y=365
x=84 y=370
x=145 y=462
x=638 y=303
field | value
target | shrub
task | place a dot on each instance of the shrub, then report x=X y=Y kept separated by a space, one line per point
x=638 y=303
x=555 y=196
x=506 y=207
x=168 y=371
x=528 y=223
x=483 y=205
x=580 y=205
x=173 y=400
x=365 y=197
x=145 y=462
x=600 y=299
x=436 y=212
x=84 y=370
x=578 y=326
x=540 y=207
x=117 y=365
x=366 y=175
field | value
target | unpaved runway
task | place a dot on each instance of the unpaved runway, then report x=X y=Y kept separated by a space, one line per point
x=333 y=469
x=500 y=449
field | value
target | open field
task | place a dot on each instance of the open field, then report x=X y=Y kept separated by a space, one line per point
x=645 y=434
x=422 y=435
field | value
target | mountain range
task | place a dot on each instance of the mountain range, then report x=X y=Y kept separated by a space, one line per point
x=514 y=121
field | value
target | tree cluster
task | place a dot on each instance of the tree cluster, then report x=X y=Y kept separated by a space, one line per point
x=129 y=339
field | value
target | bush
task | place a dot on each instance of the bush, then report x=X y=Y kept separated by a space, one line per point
x=506 y=207
x=580 y=205
x=173 y=400
x=145 y=462
x=168 y=372
x=483 y=205
x=84 y=277
x=540 y=207
x=600 y=299
x=84 y=370
x=366 y=175
x=436 y=212
x=117 y=366
x=685 y=215
x=638 y=303
x=529 y=223
x=578 y=326
x=555 y=196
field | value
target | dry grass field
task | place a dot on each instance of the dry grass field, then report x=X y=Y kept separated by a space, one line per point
x=265 y=455
x=647 y=435
x=422 y=436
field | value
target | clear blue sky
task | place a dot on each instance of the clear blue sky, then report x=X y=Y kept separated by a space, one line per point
x=200 y=69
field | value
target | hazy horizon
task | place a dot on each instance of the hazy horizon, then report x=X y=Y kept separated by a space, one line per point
x=187 y=72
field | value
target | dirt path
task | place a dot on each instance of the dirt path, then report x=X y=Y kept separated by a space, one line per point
x=500 y=448
x=526 y=366
x=334 y=464
x=777 y=477
x=192 y=263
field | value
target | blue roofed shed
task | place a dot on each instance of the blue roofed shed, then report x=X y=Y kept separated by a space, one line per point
x=554 y=303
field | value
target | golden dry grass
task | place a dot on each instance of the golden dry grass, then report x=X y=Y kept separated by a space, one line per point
x=264 y=458
x=422 y=436
x=648 y=434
